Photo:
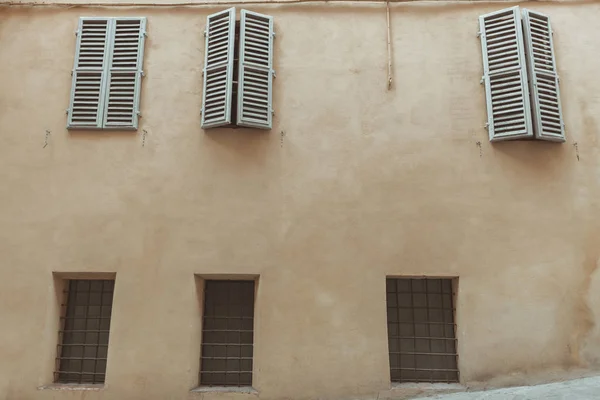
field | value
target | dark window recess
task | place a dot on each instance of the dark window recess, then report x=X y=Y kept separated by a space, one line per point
x=83 y=336
x=234 y=83
x=227 y=333
x=421 y=330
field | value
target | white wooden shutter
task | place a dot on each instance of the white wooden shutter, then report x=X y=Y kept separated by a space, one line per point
x=124 y=73
x=505 y=75
x=218 y=69
x=89 y=73
x=255 y=79
x=543 y=78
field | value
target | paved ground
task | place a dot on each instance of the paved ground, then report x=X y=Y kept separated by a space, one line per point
x=578 y=389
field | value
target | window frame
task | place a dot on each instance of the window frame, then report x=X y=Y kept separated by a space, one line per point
x=411 y=341
x=210 y=346
x=235 y=73
x=532 y=110
x=104 y=95
x=69 y=339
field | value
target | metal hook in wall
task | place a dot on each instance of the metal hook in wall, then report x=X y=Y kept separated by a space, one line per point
x=46 y=138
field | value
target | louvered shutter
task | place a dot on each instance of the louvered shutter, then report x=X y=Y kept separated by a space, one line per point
x=505 y=75
x=255 y=81
x=218 y=69
x=124 y=73
x=543 y=78
x=87 y=89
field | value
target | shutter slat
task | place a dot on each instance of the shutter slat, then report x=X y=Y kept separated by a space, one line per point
x=91 y=55
x=256 y=71
x=121 y=89
x=543 y=78
x=124 y=78
x=218 y=69
x=505 y=75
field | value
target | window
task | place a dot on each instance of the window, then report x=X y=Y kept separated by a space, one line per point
x=83 y=336
x=521 y=81
x=421 y=330
x=105 y=92
x=238 y=70
x=227 y=333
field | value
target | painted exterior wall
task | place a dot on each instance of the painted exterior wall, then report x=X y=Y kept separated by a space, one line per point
x=353 y=184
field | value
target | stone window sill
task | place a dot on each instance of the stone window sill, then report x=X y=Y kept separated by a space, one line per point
x=424 y=389
x=72 y=386
x=225 y=389
x=426 y=385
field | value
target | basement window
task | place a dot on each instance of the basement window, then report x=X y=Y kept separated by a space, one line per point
x=227 y=333
x=421 y=330
x=84 y=329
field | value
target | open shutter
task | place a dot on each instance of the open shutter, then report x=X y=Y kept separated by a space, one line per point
x=505 y=75
x=87 y=89
x=124 y=73
x=255 y=80
x=543 y=78
x=218 y=69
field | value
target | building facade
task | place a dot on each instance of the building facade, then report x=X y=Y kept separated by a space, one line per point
x=311 y=239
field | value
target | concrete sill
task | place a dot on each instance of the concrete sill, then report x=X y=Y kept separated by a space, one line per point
x=72 y=386
x=421 y=389
x=429 y=386
x=225 y=389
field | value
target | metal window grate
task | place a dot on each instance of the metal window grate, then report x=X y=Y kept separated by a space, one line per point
x=227 y=333
x=83 y=337
x=421 y=330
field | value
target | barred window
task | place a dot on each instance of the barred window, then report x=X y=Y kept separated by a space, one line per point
x=227 y=333
x=421 y=330
x=83 y=336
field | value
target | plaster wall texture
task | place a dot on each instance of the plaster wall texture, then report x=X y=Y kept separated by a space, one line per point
x=353 y=183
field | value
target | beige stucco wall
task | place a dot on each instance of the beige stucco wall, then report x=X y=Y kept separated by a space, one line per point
x=353 y=183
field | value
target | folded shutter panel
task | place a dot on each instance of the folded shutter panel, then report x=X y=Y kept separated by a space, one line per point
x=255 y=71
x=87 y=90
x=125 y=71
x=218 y=69
x=505 y=75
x=543 y=78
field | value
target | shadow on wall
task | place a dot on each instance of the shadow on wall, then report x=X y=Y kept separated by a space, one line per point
x=587 y=351
x=99 y=134
x=250 y=144
x=534 y=155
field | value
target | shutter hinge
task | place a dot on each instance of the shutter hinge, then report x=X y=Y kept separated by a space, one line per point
x=273 y=111
x=139 y=114
x=201 y=110
x=67 y=111
x=77 y=32
x=144 y=34
x=482 y=80
x=72 y=72
x=479 y=34
x=274 y=74
x=274 y=35
x=486 y=126
x=205 y=33
x=557 y=78
x=142 y=74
